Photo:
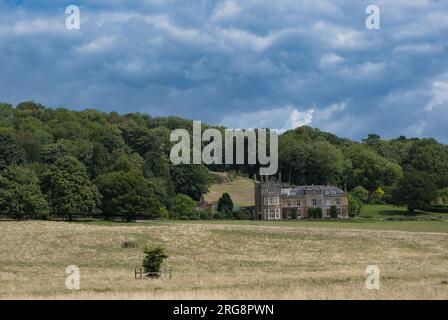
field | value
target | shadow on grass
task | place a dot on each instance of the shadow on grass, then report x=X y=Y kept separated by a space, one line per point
x=397 y=212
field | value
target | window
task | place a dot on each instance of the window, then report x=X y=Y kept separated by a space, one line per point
x=328 y=203
x=270 y=190
x=314 y=202
x=299 y=203
x=299 y=212
x=338 y=201
x=288 y=203
x=272 y=200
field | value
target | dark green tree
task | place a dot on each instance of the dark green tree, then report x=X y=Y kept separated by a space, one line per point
x=11 y=151
x=361 y=193
x=190 y=180
x=69 y=190
x=183 y=208
x=225 y=203
x=20 y=194
x=430 y=157
x=416 y=190
x=128 y=194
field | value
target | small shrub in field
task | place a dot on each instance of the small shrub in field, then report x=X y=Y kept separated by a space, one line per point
x=153 y=260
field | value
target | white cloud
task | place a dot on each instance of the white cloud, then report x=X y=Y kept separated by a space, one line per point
x=226 y=9
x=330 y=59
x=363 y=71
x=338 y=36
x=439 y=93
x=299 y=118
x=328 y=112
x=98 y=45
x=282 y=119
x=28 y=26
x=420 y=48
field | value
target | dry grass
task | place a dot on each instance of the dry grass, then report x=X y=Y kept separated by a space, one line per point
x=241 y=191
x=217 y=261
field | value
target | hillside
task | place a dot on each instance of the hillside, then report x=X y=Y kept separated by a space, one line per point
x=122 y=163
x=241 y=190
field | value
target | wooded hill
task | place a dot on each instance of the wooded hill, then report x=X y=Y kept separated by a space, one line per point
x=63 y=162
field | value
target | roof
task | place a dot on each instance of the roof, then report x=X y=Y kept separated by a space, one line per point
x=321 y=189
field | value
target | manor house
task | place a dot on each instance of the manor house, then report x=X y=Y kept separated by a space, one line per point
x=275 y=200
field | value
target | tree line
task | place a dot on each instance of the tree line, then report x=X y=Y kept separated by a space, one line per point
x=59 y=162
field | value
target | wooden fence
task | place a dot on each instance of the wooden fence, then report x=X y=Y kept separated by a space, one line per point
x=167 y=273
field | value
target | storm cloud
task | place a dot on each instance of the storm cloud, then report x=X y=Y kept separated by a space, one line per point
x=237 y=63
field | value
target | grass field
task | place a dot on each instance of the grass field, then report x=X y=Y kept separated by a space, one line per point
x=228 y=260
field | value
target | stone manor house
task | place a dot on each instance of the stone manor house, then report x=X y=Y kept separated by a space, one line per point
x=275 y=200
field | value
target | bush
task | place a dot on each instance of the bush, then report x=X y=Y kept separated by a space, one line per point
x=244 y=214
x=361 y=193
x=164 y=213
x=442 y=196
x=354 y=206
x=315 y=213
x=439 y=208
x=333 y=212
x=218 y=216
x=229 y=215
x=205 y=215
x=294 y=214
x=183 y=206
x=154 y=259
x=378 y=196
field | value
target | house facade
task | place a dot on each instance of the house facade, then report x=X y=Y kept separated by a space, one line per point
x=277 y=201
